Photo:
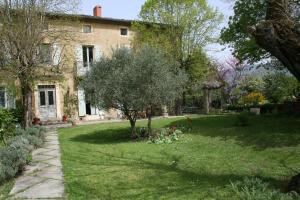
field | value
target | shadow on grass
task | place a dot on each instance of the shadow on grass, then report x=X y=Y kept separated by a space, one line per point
x=173 y=180
x=105 y=136
x=263 y=131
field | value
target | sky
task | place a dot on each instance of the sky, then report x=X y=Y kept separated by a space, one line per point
x=129 y=9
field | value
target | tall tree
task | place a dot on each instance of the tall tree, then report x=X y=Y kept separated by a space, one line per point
x=263 y=28
x=26 y=25
x=181 y=28
x=133 y=82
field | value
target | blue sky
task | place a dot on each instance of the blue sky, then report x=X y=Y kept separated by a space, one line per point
x=129 y=9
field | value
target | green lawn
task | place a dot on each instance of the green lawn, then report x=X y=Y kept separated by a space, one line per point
x=101 y=162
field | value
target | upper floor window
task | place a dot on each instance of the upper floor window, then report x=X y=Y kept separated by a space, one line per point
x=46 y=54
x=124 y=31
x=88 y=55
x=87 y=29
x=2 y=98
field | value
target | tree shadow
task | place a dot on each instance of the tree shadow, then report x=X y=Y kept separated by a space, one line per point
x=263 y=131
x=173 y=180
x=105 y=136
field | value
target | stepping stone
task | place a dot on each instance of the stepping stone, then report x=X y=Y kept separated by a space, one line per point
x=52 y=172
x=40 y=151
x=45 y=190
x=53 y=162
x=41 y=157
x=34 y=167
x=25 y=182
x=52 y=153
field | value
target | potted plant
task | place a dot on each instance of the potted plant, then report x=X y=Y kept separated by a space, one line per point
x=65 y=118
x=36 y=121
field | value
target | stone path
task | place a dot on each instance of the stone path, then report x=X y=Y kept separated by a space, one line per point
x=43 y=178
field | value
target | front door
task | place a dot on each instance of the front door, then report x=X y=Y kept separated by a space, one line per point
x=47 y=103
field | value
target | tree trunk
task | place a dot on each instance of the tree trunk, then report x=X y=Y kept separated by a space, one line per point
x=206 y=101
x=178 y=107
x=27 y=104
x=279 y=34
x=149 y=116
x=133 y=128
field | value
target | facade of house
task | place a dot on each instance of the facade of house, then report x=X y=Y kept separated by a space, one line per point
x=93 y=37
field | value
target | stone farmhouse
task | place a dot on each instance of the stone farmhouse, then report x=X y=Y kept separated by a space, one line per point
x=95 y=36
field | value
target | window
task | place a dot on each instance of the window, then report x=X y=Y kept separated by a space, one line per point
x=88 y=55
x=51 y=98
x=87 y=29
x=46 y=54
x=2 y=98
x=124 y=31
x=42 y=98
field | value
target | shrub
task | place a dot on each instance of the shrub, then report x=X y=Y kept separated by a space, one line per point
x=17 y=153
x=165 y=136
x=256 y=189
x=243 y=119
x=7 y=125
x=253 y=98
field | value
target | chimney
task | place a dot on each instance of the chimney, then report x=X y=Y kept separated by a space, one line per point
x=98 y=11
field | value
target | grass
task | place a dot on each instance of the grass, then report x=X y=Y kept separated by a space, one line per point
x=101 y=162
x=5 y=188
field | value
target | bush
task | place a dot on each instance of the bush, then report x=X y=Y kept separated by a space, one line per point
x=165 y=136
x=17 y=153
x=243 y=119
x=7 y=125
x=256 y=189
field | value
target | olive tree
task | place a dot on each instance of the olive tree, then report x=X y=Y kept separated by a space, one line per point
x=134 y=81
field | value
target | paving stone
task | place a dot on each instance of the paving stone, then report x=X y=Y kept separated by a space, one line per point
x=41 y=157
x=51 y=142
x=25 y=182
x=52 y=172
x=33 y=167
x=47 y=189
x=54 y=162
x=39 y=151
x=54 y=152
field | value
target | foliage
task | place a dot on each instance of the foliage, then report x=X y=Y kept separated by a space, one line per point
x=17 y=153
x=7 y=125
x=243 y=119
x=131 y=81
x=256 y=189
x=246 y=13
x=280 y=87
x=253 y=98
x=181 y=29
x=165 y=136
x=207 y=159
x=70 y=104
x=260 y=29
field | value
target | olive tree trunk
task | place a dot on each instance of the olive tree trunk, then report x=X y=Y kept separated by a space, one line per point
x=133 y=128
x=149 y=117
x=279 y=34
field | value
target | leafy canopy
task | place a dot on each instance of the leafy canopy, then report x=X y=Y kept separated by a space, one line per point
x=130 y=81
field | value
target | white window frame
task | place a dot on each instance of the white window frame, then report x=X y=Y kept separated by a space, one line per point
x=89 y=63
x=121 y=31
x=87 y=25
